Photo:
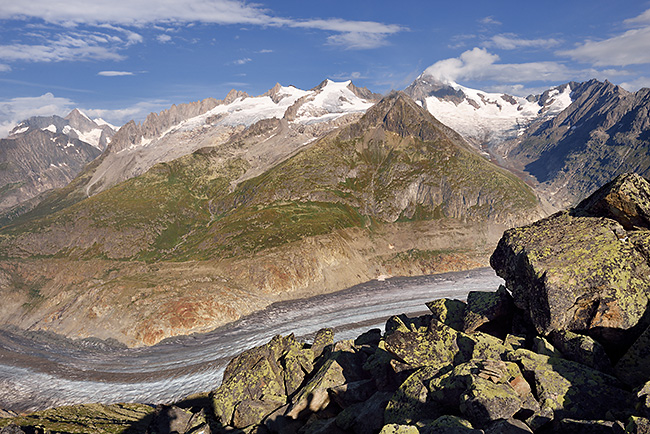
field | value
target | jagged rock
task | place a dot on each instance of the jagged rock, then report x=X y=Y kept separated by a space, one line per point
x=411 y=403
x=644 y=397
x=251 y=412
x=348 y=394
x=365 y=417
x=394 y=428
x=371 y=337
x=322 y=426
x=545 y=348
x=255 y=375
x=582 y=349
x=170 y=419
x=448 y=311
x=323 y=338
x=626 y=199
x=571 y=390
x=484 y=346
x=507 y=426
x=577 y=274
x=634 y=367
x=486 y=307
x=638 y=425
x=381 y=368
x=436 y=346
x=514 y=342
x=449 y=424
x=574 y=426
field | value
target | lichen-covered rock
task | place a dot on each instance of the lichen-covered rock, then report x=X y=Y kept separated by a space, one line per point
x=323 y=338
x=448 y=311
x=87 y=418
x=449 y=424
x=574 y=426
x=172 y=419
x=434 y=346
x=638 y=425
x=572 y=390
x=251 y=412
x=484 y=346
x=634 y=367
x=485 y=307
x=582 y=349
x=508 y=426
x=545 y=348
x=394 y=428
x=411 y=403
x=14 y=429
x=626 y=199
x=365 y=417
x=485 y=401
x=575 y=273
x=348 y=394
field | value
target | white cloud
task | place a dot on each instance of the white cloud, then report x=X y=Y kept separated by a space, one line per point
x=265 y=51
x=355 y=75
x=351 y=34
x=4 y=68
x=509 y=41
x=114 y=73
x=164 y=38
x=479 y=64
x=489 y=20
x=121 y=116
x=629 y=48
x=636 y=84
x=643 y=19
x=358 y=41
x=243 y=61
x=16 y=110
x=66 y=47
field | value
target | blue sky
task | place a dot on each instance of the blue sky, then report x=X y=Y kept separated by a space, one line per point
x=121 y=59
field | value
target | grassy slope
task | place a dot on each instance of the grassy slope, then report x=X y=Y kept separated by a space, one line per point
x=184 y=210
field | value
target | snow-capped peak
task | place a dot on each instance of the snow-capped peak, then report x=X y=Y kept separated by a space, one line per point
x=486 y=117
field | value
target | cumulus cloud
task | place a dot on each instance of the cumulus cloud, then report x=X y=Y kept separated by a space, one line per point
x=509 y=41
x=636 y=84
x=629 y=48
x=114 y=73
x=163 y=38
x=349 y=33
x=479 y=64
x=242 y=61
x=123 y=115
x=15 y=110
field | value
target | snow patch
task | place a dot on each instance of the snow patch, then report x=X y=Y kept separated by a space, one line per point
x=51 y=128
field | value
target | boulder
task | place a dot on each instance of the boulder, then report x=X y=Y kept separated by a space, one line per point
x=434 y=346
x=251 y=412
x=582 y=349
x=365 y=417
x=571 y=390
x=448 y=311
x=634 y=367
x=410 y=402
x=323 y=338
x=171 y=419
x=638 y=425
x=486 y=307
x=348 y=394
x=449 y=424
x=508 y=426
x=575 y=273
x=626 y=199
x=394 y=428
x=574 y=426
x=371 y=337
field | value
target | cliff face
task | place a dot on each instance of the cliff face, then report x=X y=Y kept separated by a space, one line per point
x=266 y=217
x=603 y=133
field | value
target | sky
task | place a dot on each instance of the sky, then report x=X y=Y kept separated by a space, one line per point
x=122 y=59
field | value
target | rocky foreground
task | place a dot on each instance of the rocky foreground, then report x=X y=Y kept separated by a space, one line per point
x=565 y=348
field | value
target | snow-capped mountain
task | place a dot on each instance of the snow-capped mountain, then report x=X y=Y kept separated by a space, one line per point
x=181 y=130
x=485 y=118
x=75 y=125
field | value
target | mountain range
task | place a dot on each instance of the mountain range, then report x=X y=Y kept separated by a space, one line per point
x=213 y=209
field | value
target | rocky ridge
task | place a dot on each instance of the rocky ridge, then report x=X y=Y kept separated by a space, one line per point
x=604 y=132
x=495 y=363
